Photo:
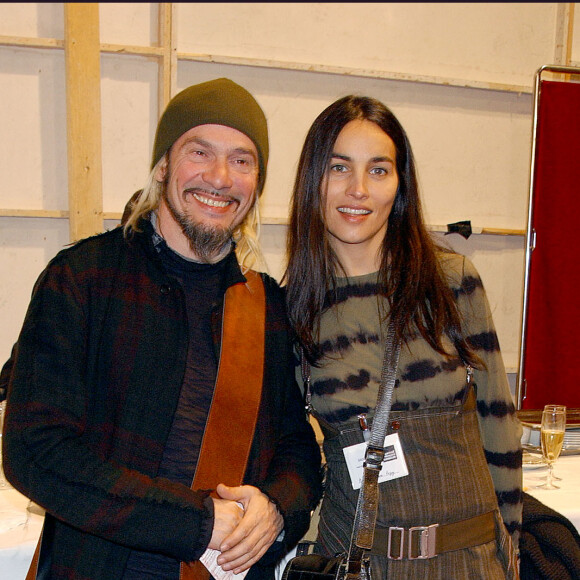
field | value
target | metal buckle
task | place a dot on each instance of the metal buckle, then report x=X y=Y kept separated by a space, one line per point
x=374 y=457
x=401 y=543
x=426 y=542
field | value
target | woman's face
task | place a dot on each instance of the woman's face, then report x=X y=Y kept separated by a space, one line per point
x=361 y=183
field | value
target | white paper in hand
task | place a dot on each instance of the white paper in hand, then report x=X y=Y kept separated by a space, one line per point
x=209 y=560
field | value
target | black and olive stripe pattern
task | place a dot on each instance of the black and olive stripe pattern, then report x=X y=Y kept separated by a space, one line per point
x=346 y=382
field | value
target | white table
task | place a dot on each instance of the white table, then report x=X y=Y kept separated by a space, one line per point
x=17 y=543
x=20 y=529
x=565 y=500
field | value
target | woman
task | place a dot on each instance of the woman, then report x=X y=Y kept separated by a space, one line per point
x=361 y=256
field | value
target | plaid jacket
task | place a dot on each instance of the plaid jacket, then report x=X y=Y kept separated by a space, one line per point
x=97 y=374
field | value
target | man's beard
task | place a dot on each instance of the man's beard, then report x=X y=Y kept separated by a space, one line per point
x=205 y=241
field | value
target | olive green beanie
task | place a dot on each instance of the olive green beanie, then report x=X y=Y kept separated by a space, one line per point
x=217 y=102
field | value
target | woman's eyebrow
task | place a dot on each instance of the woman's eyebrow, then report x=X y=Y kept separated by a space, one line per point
x=377 y=159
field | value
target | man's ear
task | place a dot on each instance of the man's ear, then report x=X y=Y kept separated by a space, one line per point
x=161 y=170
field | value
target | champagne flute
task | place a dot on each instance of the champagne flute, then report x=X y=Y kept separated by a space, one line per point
x=561 y=408
x=552 y=436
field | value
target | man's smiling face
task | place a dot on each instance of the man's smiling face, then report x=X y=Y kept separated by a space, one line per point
x=210 y=185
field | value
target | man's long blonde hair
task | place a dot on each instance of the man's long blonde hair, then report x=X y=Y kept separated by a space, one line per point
x=246 y=235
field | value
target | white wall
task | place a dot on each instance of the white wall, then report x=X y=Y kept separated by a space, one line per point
x=458 y=76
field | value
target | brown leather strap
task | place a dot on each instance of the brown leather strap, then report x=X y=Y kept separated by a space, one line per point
x=236 y=399
x=405 y=543
x=31 y=575
x=471 y=400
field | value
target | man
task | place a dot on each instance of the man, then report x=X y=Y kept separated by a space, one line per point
x=122 y=369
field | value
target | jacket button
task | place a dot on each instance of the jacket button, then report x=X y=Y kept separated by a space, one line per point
x=165 y=289
x=396 y=425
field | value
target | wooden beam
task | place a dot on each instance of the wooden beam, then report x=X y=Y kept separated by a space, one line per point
x=265 y=220
x=112 y=215
x=27 y=42
x=34 y=213
x=160 y=52
x=83 y=103
x=562 y=40
x=150 y=51
x=283 y=221
x=570 y=38
x=354 y=72
x=168 y=65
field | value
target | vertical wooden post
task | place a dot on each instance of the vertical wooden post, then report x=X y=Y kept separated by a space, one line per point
x=83 y=103
x=564 y=33
x=168 y=64
x=570 y=39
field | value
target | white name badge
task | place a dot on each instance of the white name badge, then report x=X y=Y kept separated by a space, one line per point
x=394 y=464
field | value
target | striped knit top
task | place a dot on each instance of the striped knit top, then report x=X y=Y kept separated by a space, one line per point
x=347 y=381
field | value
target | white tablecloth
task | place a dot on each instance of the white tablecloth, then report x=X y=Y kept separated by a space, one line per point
x=20 y=529
x=565 y=500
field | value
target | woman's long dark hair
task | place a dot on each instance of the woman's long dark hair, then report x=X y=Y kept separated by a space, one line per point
x=410 y=272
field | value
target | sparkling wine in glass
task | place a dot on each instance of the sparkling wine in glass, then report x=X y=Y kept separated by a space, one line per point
x=552 y=438
x=561 y=408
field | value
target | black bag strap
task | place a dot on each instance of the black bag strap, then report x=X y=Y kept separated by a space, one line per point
x=368 y=499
